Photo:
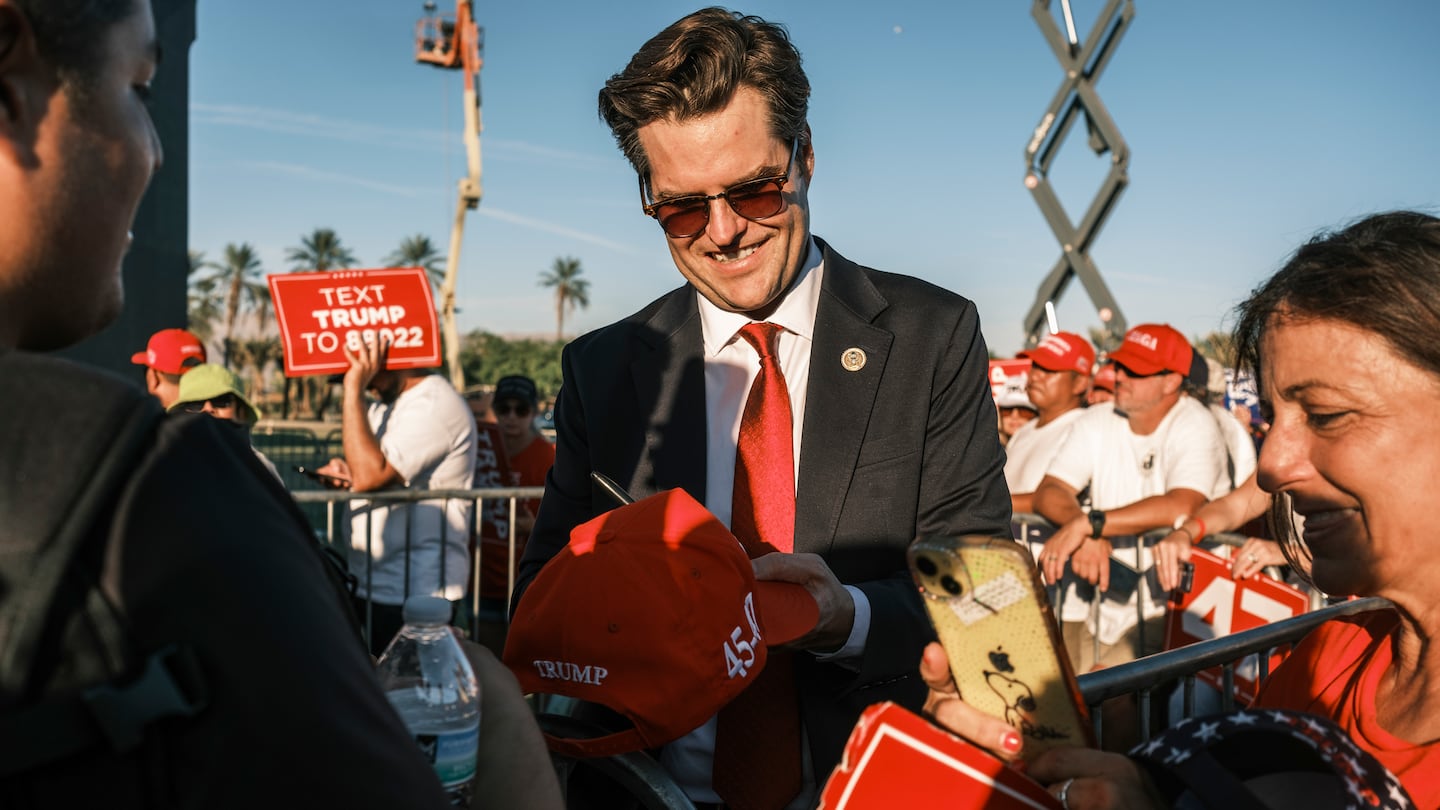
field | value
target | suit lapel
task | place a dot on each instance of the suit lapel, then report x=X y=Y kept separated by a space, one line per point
x=839 y=402
x=669 y=377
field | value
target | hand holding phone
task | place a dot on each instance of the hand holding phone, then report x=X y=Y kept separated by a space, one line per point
x=988 y=607
x=332 y=481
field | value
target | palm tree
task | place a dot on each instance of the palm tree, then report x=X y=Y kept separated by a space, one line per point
x=419 y=251
x=238 y=272
x=570 y=289
x=1218 y=346
x=203 y=297
x=321 y=250
x=256 y=354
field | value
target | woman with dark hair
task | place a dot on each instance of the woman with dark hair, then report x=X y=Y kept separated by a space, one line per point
x=1345 y=341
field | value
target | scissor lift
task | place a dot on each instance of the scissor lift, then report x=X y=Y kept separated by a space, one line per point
x=1083 y=62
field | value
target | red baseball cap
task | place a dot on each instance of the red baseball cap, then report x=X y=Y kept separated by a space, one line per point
x=1154 y=347
x=173 y=351
x=652 y=610
x=1105 y=378
x=1062 y=351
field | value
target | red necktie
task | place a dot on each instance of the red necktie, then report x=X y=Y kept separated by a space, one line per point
x=757 y=736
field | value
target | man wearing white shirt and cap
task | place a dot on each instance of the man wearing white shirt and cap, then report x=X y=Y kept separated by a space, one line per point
x=1153 y=458
x=1058 y=380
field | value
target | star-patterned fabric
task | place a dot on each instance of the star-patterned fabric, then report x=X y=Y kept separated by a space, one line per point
x=1214 y=756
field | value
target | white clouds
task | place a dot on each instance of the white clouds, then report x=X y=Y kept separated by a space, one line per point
x=285 y=122
x=314 y=175
x=310 y=173
x=307 y=125
x=550 y=227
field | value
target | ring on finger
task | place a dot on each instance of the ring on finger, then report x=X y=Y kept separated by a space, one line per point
x=1064 y=794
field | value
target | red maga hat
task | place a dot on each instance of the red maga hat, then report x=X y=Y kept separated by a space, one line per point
x=652 y=610
x=173 y=351
x=1062 y=351
x=1154 y=347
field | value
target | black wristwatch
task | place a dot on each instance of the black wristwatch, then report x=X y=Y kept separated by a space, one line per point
x=1097 y=523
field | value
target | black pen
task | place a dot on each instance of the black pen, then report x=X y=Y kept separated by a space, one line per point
x=616 y=491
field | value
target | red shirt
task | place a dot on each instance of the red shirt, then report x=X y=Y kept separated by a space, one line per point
x=526 y=468
x=529 y=467
x=1334 y=672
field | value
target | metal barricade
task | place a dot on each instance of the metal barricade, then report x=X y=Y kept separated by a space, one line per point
x=1144 y=676
x=334 y=530
x=1033 y=530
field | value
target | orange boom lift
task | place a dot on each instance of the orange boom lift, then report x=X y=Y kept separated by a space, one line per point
x=455 y=43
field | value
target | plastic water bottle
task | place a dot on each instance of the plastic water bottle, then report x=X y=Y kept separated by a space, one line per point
x=429 y=681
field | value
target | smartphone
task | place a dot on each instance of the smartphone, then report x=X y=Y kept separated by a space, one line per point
x=988 y=606
x=320 y=477
x=1124 y=579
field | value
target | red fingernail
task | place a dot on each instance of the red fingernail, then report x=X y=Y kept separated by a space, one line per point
x=1010 y=741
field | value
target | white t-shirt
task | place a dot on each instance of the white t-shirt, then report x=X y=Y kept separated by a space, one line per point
x=1030 y=450
x=1237 y=443
x=1186 y=451
x=428 y=436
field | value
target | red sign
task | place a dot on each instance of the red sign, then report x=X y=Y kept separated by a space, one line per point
x=1008 y=374
x=320 y=313
x=1218 y=605
x=895 y=758
x=1007 y=382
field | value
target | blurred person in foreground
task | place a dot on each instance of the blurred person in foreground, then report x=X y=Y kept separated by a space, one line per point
x=293 y=715
x=417 y=433
x=872 y=420
x=168 y=355
x=1056 y=384
x=1345 y=340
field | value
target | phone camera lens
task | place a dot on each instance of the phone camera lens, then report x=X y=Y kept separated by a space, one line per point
x=926 y=565
x=951 y=586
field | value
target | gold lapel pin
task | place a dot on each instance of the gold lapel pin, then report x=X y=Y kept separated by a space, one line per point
x=853 y=359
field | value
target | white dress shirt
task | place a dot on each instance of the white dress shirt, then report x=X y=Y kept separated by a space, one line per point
x=731 y=366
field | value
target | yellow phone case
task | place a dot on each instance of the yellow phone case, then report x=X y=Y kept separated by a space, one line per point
x=989 y=609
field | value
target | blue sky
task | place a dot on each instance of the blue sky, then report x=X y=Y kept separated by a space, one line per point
x=1250 y=124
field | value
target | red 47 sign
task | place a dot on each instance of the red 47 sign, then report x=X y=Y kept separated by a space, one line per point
x=1218 y=606
x=319 y=314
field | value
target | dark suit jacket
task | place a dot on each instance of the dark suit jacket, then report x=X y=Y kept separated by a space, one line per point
x=905 y=446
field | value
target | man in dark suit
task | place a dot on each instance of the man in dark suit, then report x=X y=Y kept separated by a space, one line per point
x=893 y=424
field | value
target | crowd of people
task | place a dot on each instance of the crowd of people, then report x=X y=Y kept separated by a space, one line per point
x=827 y=413
x=1149 y=457
x=1372 y=288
